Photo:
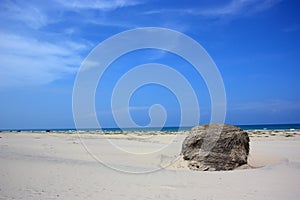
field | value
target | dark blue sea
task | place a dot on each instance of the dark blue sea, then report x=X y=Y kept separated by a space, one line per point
x=167 y=129
x=271 y=127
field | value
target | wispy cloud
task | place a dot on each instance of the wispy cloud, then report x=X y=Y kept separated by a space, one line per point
x=234 y=7
x=28 y=61
x=103 y=9
x=22 y=12
x=99 y=4
x=32 y=52
x=40 y=14
x=239 y=7
x=29 y=56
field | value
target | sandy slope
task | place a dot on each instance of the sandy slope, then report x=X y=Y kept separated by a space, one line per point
x=58 y=166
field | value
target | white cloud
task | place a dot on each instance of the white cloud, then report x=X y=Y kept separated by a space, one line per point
x=28 y=61
x=238 y=7
x=26 y=13
x=234 y=7
x=99 y=4
x=33 y=54
x=39 y=14
x=101 y=19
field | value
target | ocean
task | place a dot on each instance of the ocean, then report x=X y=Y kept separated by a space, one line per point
x=271 y=127
x=165 y=129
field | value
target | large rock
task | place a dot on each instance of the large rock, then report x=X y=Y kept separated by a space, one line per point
x=216 y=147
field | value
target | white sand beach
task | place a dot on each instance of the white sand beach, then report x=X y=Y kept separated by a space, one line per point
x=59 y=166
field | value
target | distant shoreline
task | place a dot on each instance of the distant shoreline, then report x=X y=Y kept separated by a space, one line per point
x=258 y=127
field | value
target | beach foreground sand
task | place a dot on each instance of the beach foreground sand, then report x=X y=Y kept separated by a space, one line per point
x=93 y=166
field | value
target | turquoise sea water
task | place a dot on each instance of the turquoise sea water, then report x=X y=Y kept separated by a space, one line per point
x=171 y=129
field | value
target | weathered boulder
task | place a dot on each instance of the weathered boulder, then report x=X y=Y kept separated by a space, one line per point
x=215 y=147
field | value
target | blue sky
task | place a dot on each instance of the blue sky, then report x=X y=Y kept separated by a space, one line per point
x=254 y=43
